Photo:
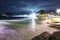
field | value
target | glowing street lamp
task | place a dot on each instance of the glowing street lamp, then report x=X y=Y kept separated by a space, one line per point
x=58 y=11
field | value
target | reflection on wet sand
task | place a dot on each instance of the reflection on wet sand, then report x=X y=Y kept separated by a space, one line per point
x=7 y=33
x=23 y=31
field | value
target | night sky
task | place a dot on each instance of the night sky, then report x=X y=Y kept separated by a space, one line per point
x=27 y=5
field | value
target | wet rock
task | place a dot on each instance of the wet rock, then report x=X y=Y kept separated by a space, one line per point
x=43 y=36
x=55 y=35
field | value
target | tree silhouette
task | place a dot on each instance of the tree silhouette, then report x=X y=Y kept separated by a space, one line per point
x=41 y=11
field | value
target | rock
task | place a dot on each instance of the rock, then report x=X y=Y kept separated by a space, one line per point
x=43 y=36
x=55 y=35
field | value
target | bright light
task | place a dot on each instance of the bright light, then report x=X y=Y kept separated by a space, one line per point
x=33 y=20
x=58 y=10
x=56 y=19
x=33 y=17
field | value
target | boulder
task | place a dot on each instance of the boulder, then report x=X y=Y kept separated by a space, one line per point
x=55 y=35
x=43 y=36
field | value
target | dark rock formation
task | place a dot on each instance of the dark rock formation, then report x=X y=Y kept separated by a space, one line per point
x=43 y=36
x=55 y=35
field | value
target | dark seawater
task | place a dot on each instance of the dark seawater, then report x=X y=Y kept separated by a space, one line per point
x=10 y=18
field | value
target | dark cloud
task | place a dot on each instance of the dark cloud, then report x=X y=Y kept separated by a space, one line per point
x=27 y=5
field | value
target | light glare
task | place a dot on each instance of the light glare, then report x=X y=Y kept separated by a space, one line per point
x=58 y=10
x=33 y=17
